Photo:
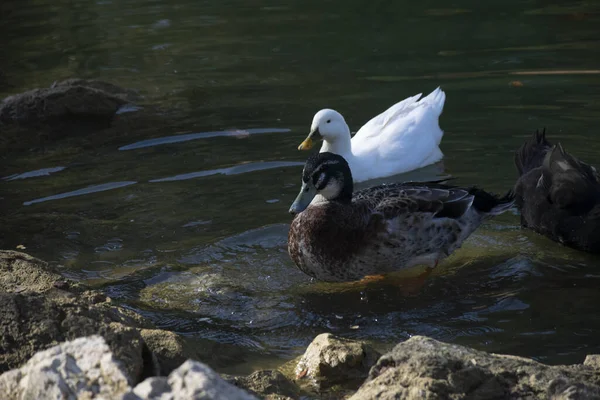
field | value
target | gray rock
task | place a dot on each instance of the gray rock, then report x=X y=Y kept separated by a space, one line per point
x=423 y=368
x=331 y=360
x=81 y=369
x=30 y=322
x=191 y=381
x=562 y=389
x=40 y=309
x=152 y=388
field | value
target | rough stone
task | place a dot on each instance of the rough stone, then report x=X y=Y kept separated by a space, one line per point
x=191 y=381
x=330 y=360
x=267 y=384
x=36 y=313
x=423 y=368
x=19 y=272
x=593 y=361
x=30 y=322
x=75 y=98
x=81 y=369
x=170 y=349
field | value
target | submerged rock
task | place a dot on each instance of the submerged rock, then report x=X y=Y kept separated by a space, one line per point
x=81 y=369
x=74 y=107
x=331 y=360
x=270 y=384
x=425 y=368
x=68 y=100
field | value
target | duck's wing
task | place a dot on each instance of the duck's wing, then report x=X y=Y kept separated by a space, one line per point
x=397 y=199
x=571 y=184
x=377 y=123
x=403 y=138
x=532 y=153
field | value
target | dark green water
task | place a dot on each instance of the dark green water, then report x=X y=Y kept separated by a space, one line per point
x=204 y=253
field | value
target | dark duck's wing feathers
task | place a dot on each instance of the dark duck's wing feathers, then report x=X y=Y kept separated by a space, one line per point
x=443 y=201
x=531 y=153
x=557 y=194
x=571 y=184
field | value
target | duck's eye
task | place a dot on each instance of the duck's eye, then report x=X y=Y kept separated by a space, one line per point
x=328 y=121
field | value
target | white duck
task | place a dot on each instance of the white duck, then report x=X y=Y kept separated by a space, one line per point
x=404 y=137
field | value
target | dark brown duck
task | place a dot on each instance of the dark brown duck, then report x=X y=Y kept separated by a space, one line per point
x=558 y=195
x=340 y=236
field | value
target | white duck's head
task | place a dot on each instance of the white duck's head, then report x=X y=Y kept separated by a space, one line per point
x=328 y=125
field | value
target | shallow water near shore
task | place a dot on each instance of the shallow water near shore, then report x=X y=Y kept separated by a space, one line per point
x=188 y=224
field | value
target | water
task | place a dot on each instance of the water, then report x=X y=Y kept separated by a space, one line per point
x=187 y=223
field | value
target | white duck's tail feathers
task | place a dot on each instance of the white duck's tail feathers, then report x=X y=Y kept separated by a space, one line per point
x=436 y=100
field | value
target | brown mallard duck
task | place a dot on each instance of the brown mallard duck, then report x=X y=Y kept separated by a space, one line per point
x=337 y=235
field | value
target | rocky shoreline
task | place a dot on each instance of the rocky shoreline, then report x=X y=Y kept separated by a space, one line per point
x=62 y=340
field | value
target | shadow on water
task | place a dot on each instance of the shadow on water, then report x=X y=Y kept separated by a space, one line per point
x=187 y=221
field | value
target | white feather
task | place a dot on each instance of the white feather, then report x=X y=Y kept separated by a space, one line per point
x=403 y=138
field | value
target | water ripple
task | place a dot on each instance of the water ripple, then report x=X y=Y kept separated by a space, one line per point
x=194 y=136
x=33 y=174
x=90 y=189
x=238 y=169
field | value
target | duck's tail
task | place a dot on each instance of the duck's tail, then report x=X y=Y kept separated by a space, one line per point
x=436 y=100
x=435 y=105
x=531 y=154
x=491 y=204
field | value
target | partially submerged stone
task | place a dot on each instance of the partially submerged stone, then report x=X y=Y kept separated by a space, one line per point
x=68 y=100
x=265 y=383
x=331 y=360
x=423 y=368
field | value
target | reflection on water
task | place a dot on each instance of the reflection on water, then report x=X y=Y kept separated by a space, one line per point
x=207 y=257
x=80 y=192
x=241 y=133
x=33 y=174
x=238 y=169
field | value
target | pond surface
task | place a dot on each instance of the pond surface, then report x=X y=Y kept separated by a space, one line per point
x=188 y=224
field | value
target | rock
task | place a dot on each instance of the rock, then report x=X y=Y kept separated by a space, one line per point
x=35 y=315
x=20 y=272
x=267 y=383
x=423 y=368
x=170 y=349
x=562 y=389
x=68 y=100
x=191 y=381
x=30 y=322
x=81 y=369
x=330 y=360
x=127 y=95
x=39 y=309
x=592 y=360
x=37 y=119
